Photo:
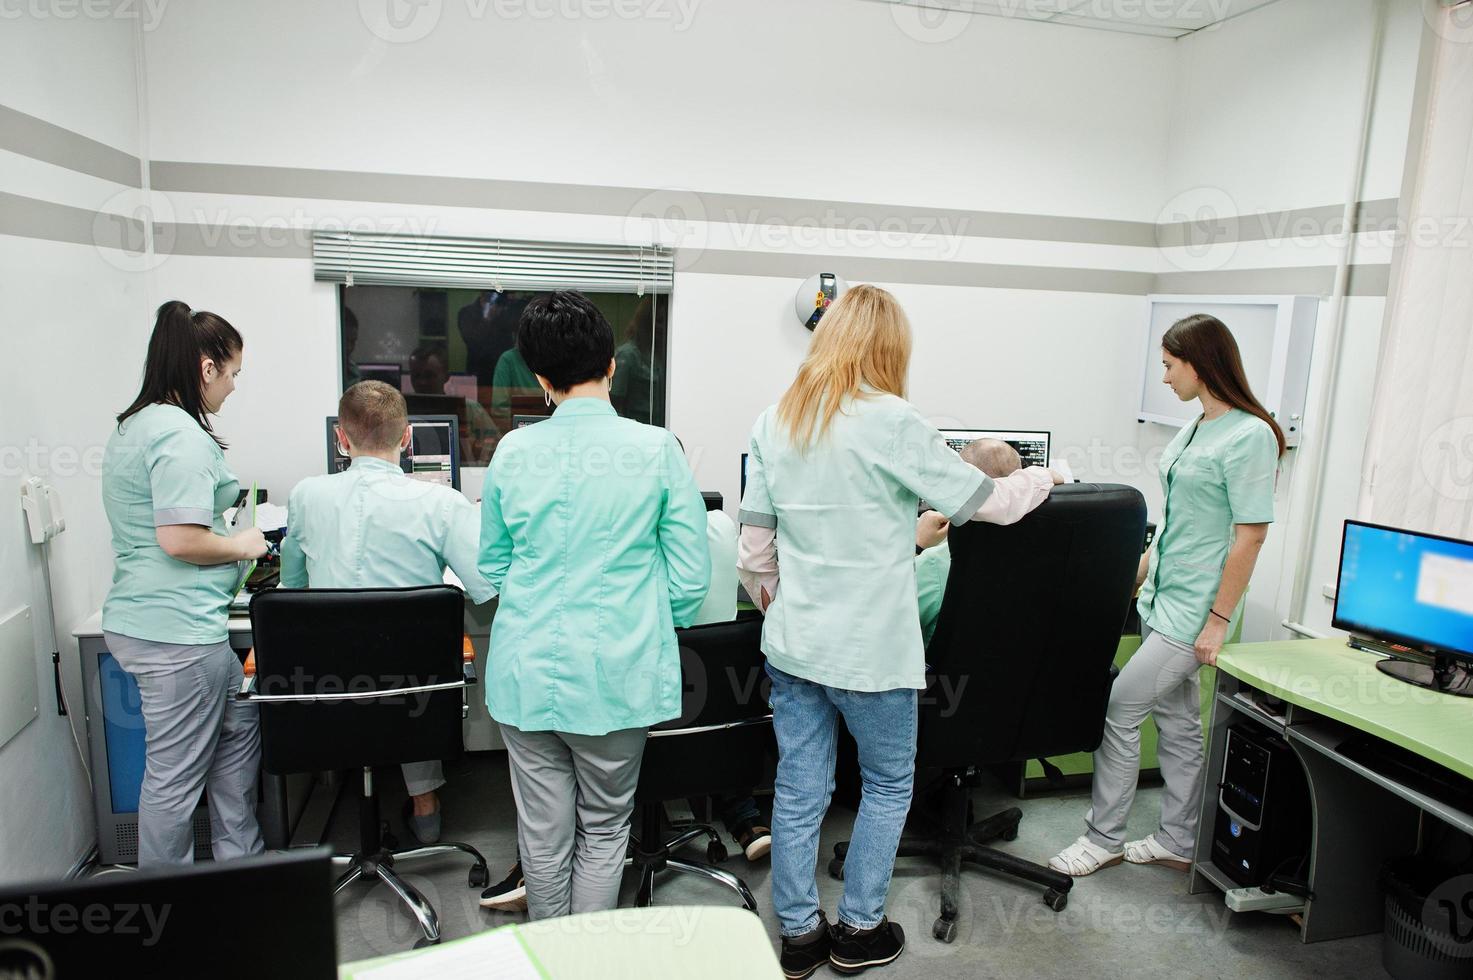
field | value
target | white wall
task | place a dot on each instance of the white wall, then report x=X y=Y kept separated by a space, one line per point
x=1009 y=116
x=1268 y=119
x=1262 y=111
x=826 y=99
x=67 y=310
x=977 y=122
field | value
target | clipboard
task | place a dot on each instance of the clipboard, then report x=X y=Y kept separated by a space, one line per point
x=245 y=516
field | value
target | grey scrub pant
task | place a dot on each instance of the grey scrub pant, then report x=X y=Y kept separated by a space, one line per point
x=1160 y=680
x=574 y=794
x=197 y=735
x=423 y=777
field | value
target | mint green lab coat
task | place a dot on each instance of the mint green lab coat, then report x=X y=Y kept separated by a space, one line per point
x=594 y=535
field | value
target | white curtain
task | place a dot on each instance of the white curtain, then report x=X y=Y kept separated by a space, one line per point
x=1419 y=454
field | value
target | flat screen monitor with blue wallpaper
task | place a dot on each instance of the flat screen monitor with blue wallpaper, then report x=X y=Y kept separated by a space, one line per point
x=1407 y=588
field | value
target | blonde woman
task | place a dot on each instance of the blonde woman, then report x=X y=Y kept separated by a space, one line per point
x=835 y=472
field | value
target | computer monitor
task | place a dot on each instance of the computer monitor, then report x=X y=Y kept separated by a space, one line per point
x=433 y=454
x=269 y=915
x=389 y=374
x=1411 y=596
x=1032 y=446
x=744 y=474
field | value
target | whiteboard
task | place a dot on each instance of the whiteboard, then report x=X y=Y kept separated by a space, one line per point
x=1254 y=324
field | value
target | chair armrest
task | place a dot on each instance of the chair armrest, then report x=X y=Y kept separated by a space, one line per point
x=247 y=693
x=247 y=690
x=744 y=723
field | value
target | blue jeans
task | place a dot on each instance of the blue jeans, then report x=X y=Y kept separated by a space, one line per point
x=806 y=718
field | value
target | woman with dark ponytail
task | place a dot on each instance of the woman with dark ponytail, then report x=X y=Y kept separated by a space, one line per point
x=165 y=488
x=1217 y=477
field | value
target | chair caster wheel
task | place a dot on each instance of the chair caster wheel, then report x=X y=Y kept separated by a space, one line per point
x=1056 y=900
x=836 y=869
x=944 y=930
x=1010 y=834
x=422 y=942
x=715 y=852
x=478 y=876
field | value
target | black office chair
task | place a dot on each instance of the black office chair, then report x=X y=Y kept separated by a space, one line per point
x=357 y=678
x=1021 y=666
x=719 y=744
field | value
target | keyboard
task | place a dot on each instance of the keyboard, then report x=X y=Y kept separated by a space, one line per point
x=1410 y=770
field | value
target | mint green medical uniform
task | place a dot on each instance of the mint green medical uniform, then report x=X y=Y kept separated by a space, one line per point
x=162 y=468
x=594 y=535
x=165 y=622
x=375 y=527
x=1213 y=475
x=845 y=614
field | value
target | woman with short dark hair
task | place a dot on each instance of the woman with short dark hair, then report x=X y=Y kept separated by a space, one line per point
x=594 y=534
x=165 y=488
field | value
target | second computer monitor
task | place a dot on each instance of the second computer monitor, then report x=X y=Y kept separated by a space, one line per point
x=433 y=454
x=1032 y=446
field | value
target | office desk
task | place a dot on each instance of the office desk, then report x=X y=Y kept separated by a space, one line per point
x=674 y=942
x=1359 y=817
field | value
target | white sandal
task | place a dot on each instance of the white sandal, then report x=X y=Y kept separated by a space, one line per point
x=1083 y=857
x=1148 y=850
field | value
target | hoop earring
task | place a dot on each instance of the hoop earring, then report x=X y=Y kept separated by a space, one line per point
x=547 y=397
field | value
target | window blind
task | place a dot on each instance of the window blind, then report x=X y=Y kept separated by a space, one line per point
x=489 y=263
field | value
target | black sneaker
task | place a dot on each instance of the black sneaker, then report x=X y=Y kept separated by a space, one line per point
x=508 y=896
x=856 y=950
x=804 y=954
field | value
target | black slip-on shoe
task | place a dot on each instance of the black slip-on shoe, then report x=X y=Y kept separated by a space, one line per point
x=510 y=895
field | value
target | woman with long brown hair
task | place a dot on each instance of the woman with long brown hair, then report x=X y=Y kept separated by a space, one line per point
x=165 y=488
x=835 y=471
x=1217 y=477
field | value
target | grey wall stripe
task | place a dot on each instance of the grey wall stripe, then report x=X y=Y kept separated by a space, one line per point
x=29 y=136
x=1272 y=225
x=350 y=185
x=1365 y=280
x=49 y=143
x=26 y=217
x=918 y=271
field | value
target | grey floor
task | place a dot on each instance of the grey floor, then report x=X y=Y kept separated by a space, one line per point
x=1124 y=922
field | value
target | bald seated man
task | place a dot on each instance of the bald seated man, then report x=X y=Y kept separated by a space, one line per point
x=995 y=458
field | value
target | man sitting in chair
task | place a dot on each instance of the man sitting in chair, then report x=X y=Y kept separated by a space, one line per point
x=375 y=527
x=933 y=565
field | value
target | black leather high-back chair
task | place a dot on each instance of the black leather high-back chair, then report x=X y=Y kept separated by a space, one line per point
x=1021 y=664
x=358 y=678
x=719 y=744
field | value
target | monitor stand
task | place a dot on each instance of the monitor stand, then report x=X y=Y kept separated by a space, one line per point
x=1443 y=675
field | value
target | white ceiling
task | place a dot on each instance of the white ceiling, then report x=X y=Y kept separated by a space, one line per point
x=1157 y=18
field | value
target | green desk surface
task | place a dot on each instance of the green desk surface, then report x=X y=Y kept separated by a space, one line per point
x=1331 y=679
x=667 y=941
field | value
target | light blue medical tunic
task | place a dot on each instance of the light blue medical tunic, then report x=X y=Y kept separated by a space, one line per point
x=374 y=526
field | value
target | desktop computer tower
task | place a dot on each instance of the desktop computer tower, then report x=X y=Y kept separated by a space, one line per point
x=115 y=740
x=1263 y=816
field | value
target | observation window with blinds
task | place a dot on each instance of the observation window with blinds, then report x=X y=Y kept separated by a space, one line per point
x=437 y=319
